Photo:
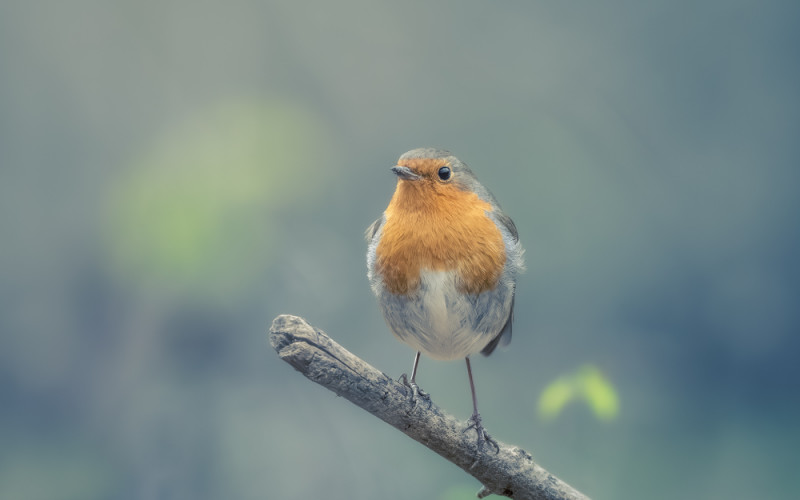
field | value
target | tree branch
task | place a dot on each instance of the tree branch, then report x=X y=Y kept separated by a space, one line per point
x=510 y=472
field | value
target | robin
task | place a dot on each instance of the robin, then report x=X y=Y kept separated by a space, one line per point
x=443 y=260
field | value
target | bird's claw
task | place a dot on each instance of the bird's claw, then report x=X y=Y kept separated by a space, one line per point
x=483 y=436
x=416 y=392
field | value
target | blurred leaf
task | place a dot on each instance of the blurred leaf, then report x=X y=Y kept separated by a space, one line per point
x=599 y=393
x=587 y=384
x=200 y=210
x=555 y=396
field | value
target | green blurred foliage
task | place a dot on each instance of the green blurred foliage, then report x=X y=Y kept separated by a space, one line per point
x=196 y=211
x=588 y=385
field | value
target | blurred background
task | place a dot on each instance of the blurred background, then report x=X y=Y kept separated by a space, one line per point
x=175 y=174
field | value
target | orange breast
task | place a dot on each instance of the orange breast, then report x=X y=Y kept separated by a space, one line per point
x=441 y=228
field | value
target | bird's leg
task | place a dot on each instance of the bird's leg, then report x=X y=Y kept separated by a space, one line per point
x=416 y=392
x=475 y=420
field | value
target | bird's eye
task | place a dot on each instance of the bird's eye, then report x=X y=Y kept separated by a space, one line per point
x=444 y=173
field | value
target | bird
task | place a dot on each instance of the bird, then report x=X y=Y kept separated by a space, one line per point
x=443 y=261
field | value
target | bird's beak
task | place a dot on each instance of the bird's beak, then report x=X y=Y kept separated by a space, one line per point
x=405 y=173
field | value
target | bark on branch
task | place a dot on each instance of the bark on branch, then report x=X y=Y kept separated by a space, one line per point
x=510 y=472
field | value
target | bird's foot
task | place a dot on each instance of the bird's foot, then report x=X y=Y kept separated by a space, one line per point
x=417 y=394
x=483 y=436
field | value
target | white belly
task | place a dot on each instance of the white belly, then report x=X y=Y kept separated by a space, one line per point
x=443 y=323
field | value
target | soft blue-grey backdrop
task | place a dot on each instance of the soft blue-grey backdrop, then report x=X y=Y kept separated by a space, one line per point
x=174 y=174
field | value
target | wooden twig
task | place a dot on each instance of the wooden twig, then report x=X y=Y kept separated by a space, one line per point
x=511 y=471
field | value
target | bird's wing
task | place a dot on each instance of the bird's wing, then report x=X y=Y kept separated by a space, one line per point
x=507 y=223
x=504 y=336
x=373 y=228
